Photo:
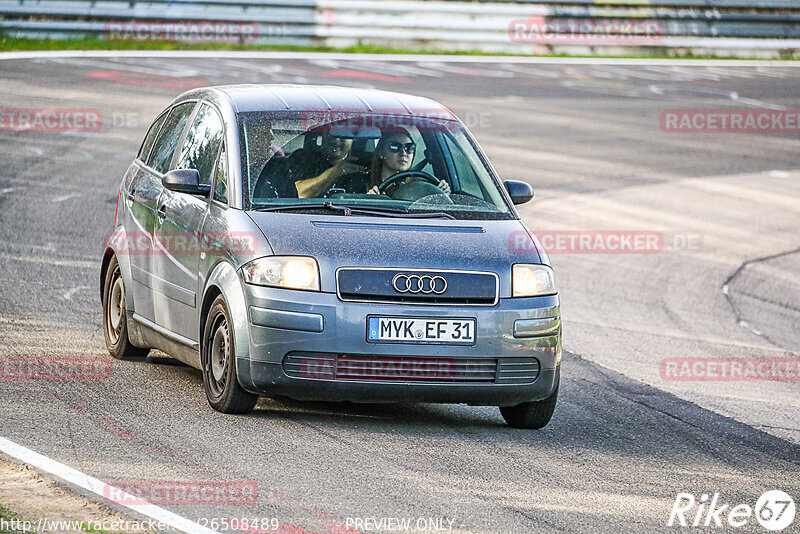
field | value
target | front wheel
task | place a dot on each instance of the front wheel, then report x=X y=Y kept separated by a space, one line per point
x=219 y=363
x=531 y=414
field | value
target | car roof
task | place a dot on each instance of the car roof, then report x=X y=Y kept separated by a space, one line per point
x=298 y=98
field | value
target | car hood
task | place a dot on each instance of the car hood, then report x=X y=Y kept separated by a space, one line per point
x=356 y=241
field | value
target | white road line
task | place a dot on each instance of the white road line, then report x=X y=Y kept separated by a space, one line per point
x=176 y=72
x=97 y=487
x=105 y=135
x=72 y=291
x=80 y=264
x=746 y=325
x=755 y=103
x=269 y=69
x=255 y=54
x=62 y=198
x=779 y=174
x=50 y=247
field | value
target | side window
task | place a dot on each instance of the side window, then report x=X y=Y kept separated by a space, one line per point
x=221 y=178
x=466 y=176
x=150 y=138
x=168 y=138
x=294 y=144
x=202 y=144
x=419 y=155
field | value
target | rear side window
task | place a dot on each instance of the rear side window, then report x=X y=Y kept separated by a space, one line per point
x=202 y=144
x=150 y=138
x=168 y=138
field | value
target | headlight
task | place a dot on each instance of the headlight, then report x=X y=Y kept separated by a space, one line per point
x=291 y=272
x=532 y=280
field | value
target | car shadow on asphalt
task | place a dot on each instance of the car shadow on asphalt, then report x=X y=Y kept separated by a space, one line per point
x=596 y=405
x=602 y=407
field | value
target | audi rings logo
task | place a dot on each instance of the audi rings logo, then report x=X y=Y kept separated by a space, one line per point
x=414 y=283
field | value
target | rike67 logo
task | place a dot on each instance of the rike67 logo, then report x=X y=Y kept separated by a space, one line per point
x=774 y=510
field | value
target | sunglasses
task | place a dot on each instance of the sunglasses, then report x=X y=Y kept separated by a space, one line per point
x=395 y=148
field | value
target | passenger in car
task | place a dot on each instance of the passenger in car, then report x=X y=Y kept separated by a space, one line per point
x=315 y=170
x=262 y=147
x=309 y=172
x=394 y=153
x=270 y=158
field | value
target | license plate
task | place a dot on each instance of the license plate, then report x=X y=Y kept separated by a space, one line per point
x=420 y=330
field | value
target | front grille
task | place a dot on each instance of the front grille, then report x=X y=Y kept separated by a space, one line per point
x=431 y=369
x=453 y=287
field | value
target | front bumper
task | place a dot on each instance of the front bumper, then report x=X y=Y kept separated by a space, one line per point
x=513 y=334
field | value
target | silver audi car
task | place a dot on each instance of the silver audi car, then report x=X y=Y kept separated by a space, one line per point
x=334 y=244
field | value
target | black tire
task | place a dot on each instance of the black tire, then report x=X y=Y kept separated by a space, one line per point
x=115 y=320
x=531 y=414
x=223 y=391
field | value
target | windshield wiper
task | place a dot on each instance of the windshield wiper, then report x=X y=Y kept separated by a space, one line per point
x=425 y=215
x=347 y=210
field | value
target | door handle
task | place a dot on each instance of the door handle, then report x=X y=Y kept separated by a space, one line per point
x=162 y=213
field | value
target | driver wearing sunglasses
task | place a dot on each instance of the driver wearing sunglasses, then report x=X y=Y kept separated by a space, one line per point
x=394 y=153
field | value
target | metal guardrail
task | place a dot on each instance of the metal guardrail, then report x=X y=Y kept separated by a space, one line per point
x=724 y=27
x=287 y=11
x=743 y=4
x=285 y=22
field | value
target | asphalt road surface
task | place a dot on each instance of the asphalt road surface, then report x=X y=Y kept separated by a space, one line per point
x=625 y=440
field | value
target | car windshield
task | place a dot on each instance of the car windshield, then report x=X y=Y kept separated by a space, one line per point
x=387 y=164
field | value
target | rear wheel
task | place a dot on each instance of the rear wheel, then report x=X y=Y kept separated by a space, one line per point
x=115 y=321
x=219 y=363
x=530 y=414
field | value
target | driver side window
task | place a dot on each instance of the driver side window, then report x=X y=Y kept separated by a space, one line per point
x=416 y=137
x=168 y=137
x=202 y=144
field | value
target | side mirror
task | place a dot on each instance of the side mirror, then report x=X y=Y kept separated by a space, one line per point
x=185 y=181
x=520 y=192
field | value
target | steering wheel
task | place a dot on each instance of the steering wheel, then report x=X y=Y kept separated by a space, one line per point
x=405 y=174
